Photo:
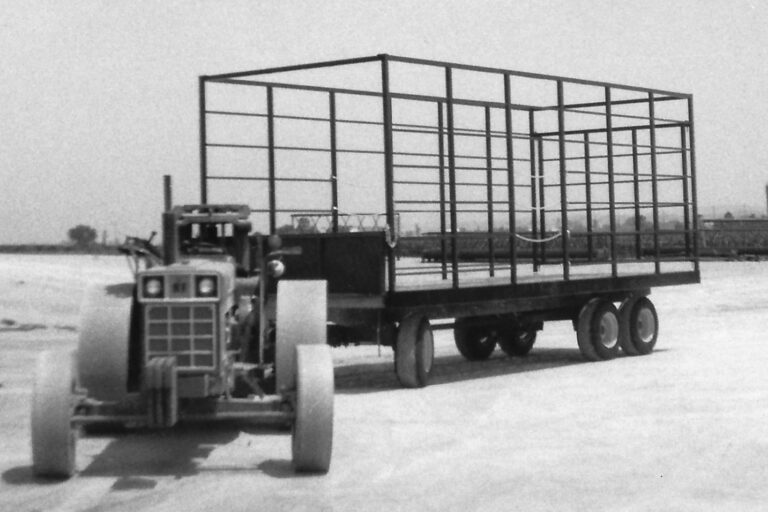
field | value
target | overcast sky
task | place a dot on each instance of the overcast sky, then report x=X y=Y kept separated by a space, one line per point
x=99 y=99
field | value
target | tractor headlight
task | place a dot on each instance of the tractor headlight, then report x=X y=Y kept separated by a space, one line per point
x=205 y=286
x=153 y=287
x=276 y=268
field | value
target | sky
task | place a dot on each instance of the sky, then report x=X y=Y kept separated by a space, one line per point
x=98 y=100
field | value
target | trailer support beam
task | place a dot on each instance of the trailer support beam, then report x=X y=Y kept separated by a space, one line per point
x=563 y=176
x=388 y=169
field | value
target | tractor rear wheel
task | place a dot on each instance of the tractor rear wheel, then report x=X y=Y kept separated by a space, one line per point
x=302 y=313
x=414 y=352
x=54 y=439
x=313 y=427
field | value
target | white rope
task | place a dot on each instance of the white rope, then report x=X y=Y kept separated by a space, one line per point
x=540 y=240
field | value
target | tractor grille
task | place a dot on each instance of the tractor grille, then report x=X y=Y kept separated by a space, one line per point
x=184 y=331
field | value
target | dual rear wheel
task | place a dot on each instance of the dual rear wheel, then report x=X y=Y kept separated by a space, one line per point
x=601 y=329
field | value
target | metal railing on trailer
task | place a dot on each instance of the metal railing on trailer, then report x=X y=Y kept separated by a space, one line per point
x=541 y=175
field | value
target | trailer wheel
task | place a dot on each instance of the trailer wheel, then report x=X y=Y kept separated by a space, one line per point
x=625 y=339
x=313 y=427
x=517 y=340
x=414 y=352
x=54 y=439
x=475 y=342
x=598 y=330
x=639 y=326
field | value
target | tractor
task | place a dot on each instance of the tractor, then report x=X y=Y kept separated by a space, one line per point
x=205 y=331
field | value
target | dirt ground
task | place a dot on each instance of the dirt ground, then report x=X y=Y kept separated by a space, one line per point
x=685 y=428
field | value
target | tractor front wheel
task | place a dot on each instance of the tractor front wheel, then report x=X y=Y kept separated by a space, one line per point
x=54 y=439
x=313 y=426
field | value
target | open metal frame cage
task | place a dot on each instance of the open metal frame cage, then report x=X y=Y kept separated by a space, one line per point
x=475 y=175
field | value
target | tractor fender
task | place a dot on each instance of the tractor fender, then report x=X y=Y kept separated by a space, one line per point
x=105 y=333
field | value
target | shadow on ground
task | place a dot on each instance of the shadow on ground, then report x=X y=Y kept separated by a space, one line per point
x=380 y=376
x=137 y=457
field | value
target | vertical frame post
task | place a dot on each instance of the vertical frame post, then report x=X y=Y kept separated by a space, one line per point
x=636 y=187
x=588 y=196
x=334 y=168
x=388 y=167
x=452 y=175
x=441 y=178
x=611 y=182
x=686 y=198
x=654 y=183
x=542 y=210
x=510 y=179
x=563 y=180
x=532 y=163
x=203 y=143
x=271 y=150
x=489 y=192
x=694 y=203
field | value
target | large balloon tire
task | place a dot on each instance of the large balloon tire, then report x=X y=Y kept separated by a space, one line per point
x=517 y=340
x=414 y=352
x=54 y=438
x=302 y=313
x=312 y=440
x=105 y=339
x=475 y=342
x=597 y=331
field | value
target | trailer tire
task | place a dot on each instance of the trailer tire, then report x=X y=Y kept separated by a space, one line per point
x=639 y=326
x=312 y=437
x=517 y=340
x=54 y=438
x=625 y=339
x=598 y=330
x=475 y=342
x=414 y=352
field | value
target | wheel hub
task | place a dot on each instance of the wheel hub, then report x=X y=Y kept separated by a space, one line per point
x=646 y=325
x=609 y=331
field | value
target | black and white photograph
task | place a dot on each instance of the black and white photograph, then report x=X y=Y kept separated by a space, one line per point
x=389 y=256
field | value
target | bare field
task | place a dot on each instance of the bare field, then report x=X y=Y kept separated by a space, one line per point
x=685 y=428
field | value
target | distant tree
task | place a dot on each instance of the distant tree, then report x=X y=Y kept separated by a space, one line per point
x=728 y=215
x=82 y=235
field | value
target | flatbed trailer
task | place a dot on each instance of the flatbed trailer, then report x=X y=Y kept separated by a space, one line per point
x=424 y=190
